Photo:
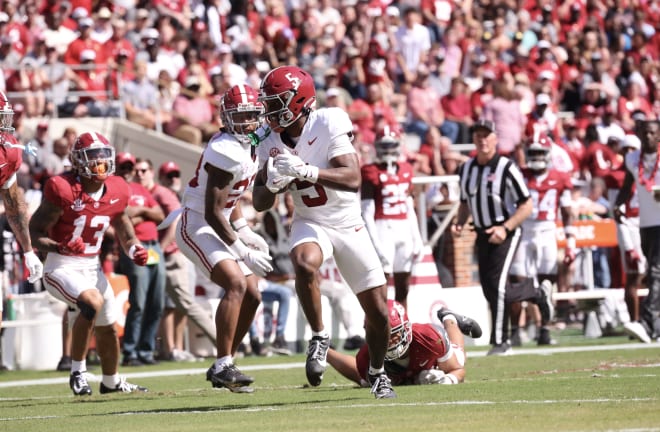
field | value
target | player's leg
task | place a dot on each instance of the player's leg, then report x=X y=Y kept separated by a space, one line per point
x=248 y=309
x=360 y=267
x=205 y=249
x=453 y=362
x=402 y=263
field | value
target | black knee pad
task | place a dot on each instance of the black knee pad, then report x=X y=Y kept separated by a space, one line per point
x=87 y=311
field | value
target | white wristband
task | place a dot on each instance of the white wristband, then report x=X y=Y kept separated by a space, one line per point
x=570 y=242
x=312 y=174
x=30 y=254
x=570 y=231
x=239 y=224
x=131 y=251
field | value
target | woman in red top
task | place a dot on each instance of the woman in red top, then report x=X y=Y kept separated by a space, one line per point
x=630 y=103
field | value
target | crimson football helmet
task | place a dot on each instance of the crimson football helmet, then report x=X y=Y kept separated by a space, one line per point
x=6 y=114
x=387 y=146
x=287 y=92
x=241 y=111
x=92 y=156
x=538 y=152
x=400 y=331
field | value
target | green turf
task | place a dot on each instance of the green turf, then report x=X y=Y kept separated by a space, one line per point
x=579 y=391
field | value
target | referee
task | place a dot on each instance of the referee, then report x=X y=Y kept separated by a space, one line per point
x=494 y=193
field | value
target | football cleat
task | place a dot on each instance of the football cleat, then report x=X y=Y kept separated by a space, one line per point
x=381 y=386
x=317 y=355
x=502 y=349
x=637 y=331
x=467 y=325
x=78 y=383
x=231 y=378
x=544 y=301
x=545 y=338
x=123 y=387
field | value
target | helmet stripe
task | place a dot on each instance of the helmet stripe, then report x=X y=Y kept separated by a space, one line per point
x=243 y=92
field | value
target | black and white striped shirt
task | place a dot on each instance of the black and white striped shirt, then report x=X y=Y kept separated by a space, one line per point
x=492 y=191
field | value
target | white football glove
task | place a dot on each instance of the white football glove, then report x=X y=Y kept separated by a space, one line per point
x=430 y=376
x=34 y=265
x=276 y=181
x=257 y=261
x=292 y=165
x=252 y=239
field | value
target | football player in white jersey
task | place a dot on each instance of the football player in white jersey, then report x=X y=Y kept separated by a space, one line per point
x=213 y=234
x=310 y=152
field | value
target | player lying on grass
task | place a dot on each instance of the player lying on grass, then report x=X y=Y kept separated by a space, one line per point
x=417 y=353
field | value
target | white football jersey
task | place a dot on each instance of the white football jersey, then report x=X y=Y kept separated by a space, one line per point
x=649 y=208
x=223 y=151
x=326 y=135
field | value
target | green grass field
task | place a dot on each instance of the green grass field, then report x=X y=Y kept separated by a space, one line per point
x=582 y=385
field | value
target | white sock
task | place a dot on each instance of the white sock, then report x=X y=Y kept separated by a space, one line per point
x=323 y=334
x=449 y=317
x=110 y=381
x=78 y=366
x=374 y=371
x=222 y=362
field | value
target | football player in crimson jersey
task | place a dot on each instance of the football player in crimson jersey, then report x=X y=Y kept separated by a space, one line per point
x=77 y=209
x=310 y=152
x=536 y=256
x=389 y=212
x=630 y=242
x=416 y=354
x=213 y=234
x=12 y=198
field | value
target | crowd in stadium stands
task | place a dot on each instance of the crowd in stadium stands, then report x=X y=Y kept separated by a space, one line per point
x=580 y=71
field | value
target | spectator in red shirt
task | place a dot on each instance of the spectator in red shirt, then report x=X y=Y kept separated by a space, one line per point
x=425 y=110
x=632 y=103
x=458 y=111
x=83 y=42
x=599 y=158
x=363 y=113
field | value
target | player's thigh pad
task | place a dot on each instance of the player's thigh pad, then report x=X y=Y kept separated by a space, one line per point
x=357 y=259
x=66 y=284
x=200 y=243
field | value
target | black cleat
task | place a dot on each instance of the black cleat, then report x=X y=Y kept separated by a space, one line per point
x=317 y=359
x=123 y=387
x=468 y=326
x=79 y=385
x=231 y=378
x=502 y=349
x=354 y=343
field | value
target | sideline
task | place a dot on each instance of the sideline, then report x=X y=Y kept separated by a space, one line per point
x=198 y=371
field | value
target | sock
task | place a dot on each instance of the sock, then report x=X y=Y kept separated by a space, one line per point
x=374 y=371
x=322 y=334
x=110 y=381
x=78 y=366
x=449 y=317
x=221 y=362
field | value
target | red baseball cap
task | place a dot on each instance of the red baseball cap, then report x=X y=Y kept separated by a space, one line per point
x=124 y=157
x=168 y=167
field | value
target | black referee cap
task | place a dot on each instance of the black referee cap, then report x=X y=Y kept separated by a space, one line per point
x=483 y=124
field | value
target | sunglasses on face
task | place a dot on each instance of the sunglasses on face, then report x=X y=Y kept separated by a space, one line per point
x=141 y=170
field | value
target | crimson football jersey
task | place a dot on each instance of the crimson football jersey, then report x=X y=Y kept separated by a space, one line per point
x=426 y=348
x=10 y=158
x=83 y=216
x=547 y=193
x=614 y=181
x=391 y=191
